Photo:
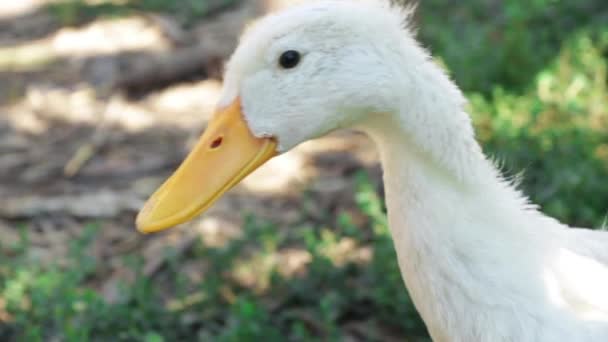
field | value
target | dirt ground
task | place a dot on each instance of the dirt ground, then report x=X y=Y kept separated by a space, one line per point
x=93 y=117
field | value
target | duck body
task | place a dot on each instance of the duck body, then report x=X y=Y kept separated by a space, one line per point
x=480 y=262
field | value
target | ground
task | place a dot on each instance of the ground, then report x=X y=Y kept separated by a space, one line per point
x=79 y=147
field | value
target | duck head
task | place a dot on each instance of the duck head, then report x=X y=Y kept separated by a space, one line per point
x=295 y=76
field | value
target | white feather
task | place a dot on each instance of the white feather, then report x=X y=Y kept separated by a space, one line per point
x=481 y=262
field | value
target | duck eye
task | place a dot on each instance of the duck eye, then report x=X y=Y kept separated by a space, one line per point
x=289 y=59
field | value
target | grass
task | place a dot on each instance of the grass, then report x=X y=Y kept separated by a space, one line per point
x=536 y=75
x=75 y=12
x=47 y=303
x=25 y=58
x=490 y=43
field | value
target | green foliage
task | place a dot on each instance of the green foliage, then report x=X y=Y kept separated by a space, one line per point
x=487 y=43
x=46 y=303
x=557 y=132
x=55 y=301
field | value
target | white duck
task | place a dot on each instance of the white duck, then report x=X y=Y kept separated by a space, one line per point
x=480 y=262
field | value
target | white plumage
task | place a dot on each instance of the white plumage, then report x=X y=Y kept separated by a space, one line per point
x=481 y=262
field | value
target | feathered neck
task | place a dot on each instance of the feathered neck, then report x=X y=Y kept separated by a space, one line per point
x=465 y=237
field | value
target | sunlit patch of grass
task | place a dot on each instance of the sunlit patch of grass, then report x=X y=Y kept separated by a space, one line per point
x=28 y=57
x=75 y=12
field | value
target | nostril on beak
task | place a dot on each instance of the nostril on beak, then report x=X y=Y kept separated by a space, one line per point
x=216 y=143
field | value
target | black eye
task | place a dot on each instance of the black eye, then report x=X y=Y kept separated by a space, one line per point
x=289 y=59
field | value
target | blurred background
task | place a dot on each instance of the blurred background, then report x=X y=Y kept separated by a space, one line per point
x=101 y=99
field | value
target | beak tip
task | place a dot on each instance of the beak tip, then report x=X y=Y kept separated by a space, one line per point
x=146 y=223
x=147 y=220
x=141 y=225
x=144 y=228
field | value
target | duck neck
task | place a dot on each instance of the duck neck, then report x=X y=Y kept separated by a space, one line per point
x=451 y=218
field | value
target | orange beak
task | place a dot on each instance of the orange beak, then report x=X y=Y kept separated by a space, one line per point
x=226 y=153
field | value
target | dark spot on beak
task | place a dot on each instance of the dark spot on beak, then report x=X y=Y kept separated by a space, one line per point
x=217 y=142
